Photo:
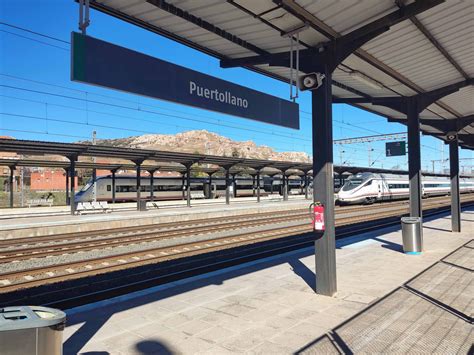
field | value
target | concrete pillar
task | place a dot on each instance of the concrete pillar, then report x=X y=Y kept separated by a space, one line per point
x=454 y=174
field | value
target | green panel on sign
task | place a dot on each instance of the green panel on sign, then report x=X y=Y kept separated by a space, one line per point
x=393 y=149
x=78 y=57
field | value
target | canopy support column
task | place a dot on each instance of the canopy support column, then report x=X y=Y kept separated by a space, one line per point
x=183 y=177
x=454 y=173
x=138 y=183
x=414 y=158
x=68 y=200
x=210 y=196
x=113 y=185
x=72 y=176
x=285 y=185
x=258 y=186
x=306 y=183
x=234 y=186
x=323 y=187
x=10 y=184
x=188 y=185
x=152 y=185
x=253 y=185
x=227 y=186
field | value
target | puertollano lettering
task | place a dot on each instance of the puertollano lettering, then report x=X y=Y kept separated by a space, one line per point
x=221 y=96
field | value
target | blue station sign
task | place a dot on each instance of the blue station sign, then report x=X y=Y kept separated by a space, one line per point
x=104 y=64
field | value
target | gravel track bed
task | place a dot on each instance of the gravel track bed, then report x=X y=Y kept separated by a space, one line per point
x=53 y=260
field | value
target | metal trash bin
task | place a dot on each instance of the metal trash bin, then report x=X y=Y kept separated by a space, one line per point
x=412 y=235
x=142 y=205
x=31 y=330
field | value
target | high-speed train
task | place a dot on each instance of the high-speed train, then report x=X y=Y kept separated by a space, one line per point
x=171 y=188
x=369 y=187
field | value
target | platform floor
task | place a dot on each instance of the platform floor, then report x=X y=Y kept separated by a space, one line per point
x=50 y=223
x=269 y=306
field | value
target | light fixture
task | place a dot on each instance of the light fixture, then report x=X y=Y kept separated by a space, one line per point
x=366 y=80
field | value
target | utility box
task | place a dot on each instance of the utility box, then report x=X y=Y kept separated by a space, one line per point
x=412 y=235
x=31 y=330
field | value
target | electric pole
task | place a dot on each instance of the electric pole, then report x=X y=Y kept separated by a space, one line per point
x=94 y=170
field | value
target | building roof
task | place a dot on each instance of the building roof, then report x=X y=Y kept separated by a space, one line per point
x=430 y=48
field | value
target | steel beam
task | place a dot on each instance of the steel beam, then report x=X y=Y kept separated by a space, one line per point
x=344 y=46
x=414 y=158
x=165 y=6
x=323 y=187
x=454 y=174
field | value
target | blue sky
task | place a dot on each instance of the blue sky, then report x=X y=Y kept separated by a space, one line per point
x=38 y=100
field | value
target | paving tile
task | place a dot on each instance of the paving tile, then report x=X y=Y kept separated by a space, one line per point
x=216 y=334
x=355 y=297
x=270 y=348
x=235 y=309
x=248 y=339
x=193 y=327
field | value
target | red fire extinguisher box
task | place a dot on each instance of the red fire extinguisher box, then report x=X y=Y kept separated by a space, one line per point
x=318 y=217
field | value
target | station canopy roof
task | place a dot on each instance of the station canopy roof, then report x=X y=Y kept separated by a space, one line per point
x=432 y=48
x=120 y=158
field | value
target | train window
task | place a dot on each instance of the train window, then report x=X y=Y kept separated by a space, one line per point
x=369 y=182
x=109 y=188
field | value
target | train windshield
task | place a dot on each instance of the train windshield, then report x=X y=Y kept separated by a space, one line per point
x=86 y=186
x=353 y=182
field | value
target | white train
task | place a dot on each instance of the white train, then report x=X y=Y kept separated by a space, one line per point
x=164 y=188
x=369 y=187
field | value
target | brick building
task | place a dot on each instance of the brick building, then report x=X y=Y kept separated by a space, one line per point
x=49 y=180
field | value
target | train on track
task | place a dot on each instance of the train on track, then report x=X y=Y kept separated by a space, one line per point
x=367 y=188
x=172 y=188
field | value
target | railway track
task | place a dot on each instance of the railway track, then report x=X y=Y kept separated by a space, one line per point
x=36 y=276
x=26 y=248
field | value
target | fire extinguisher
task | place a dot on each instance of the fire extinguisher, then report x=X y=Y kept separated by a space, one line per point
x=317 y=216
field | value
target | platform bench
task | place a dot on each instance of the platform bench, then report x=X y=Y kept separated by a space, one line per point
x=40 y=202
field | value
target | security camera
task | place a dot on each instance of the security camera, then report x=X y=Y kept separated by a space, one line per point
x=310 y=81
x=451 y=136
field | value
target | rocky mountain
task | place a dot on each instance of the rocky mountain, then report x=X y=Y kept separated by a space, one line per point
x=204 y=142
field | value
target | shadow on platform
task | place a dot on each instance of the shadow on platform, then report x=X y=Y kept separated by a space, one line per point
x=405 y=320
